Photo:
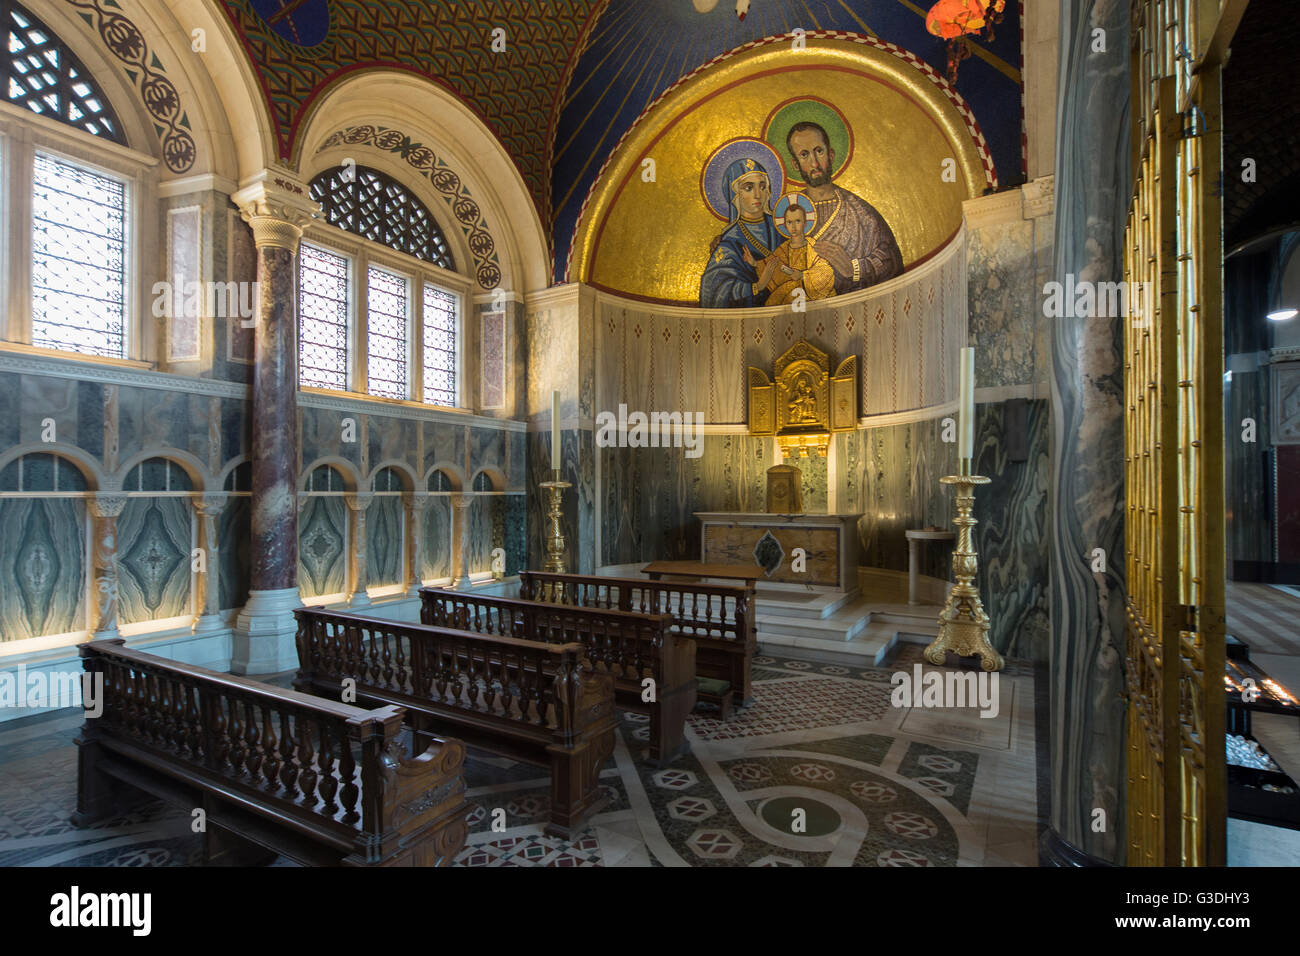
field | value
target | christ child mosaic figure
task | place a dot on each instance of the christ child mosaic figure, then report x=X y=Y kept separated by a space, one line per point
x=794 y=264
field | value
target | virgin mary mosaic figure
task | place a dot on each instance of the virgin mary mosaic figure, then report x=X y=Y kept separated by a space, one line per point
x=740 y=179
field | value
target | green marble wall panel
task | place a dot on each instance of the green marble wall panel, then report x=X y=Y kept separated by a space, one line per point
x=43 y=568
x=385 y=519
x=436 y=558
x=154 y=541
x=234 y=531
x=322 y=536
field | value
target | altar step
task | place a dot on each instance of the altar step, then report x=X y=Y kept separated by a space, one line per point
x=860 y=632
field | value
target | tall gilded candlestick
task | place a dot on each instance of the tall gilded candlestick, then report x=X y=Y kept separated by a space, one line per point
x=963 y=623
x=555 y=544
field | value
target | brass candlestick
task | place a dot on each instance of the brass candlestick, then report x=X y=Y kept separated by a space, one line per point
x=963 y=624
x=555 y=546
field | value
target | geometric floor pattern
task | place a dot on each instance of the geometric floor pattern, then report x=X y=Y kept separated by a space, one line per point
x=815 y=772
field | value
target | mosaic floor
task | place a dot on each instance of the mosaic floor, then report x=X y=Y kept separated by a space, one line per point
x=820 y=770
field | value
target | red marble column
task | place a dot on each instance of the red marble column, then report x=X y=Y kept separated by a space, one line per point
x=264 y=630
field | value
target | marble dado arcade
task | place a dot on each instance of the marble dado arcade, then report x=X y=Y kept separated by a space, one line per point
x=135 y=520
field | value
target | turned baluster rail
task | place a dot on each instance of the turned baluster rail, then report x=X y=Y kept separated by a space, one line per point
x=327 y=764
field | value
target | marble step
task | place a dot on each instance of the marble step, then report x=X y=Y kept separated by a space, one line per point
x=803 y=604
x=870 y=646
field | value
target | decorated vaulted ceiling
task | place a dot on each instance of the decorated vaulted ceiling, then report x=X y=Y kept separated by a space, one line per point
x=576 y=74
x=299 y=47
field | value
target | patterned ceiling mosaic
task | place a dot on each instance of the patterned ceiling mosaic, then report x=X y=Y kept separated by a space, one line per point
x=299 y=47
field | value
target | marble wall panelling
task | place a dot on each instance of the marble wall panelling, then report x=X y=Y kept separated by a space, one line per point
x=154 y=539
x=1003 y=302
x=11 y=403
x=152 y=418
x=235 y=428
x=42 y=568
x=444 y=444
x=234 y=532
x=45 y=397
x=813 y=484
x=90 y=411
x=437 y=539
x=322 y=541
x=1011 y=536
x=322 y=436
x=510 y=511
x=553 y=358
x=390 y=438
x=385 y=538
x=487 y=449
x=1248 y=480
x=481 y=534
x=517 y=475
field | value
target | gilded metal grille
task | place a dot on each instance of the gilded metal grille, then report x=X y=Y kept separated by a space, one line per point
x=1173 y=446
x=41 y=74
x=78 y=259
x=377 y=207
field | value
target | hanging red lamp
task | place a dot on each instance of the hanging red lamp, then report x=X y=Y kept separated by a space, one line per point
x=952 y=20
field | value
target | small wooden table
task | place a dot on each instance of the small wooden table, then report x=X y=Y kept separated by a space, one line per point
x=749 y=573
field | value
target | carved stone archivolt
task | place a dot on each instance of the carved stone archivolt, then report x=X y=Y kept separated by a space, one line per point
x=803 y=403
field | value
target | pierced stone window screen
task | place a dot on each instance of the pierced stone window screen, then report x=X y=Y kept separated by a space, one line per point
x=440 y=327
x=375 y=206
x=78 y=259
x=41 y=74
x=386 y=334
x=322 y=319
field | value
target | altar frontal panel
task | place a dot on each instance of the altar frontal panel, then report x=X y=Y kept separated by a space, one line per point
x=735 y=544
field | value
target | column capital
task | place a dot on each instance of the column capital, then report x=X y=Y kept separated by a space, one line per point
x=106 y=506
x=276 y=206
x=462 y=500
x=210 y=505
x=419 y=500
x=360 y=500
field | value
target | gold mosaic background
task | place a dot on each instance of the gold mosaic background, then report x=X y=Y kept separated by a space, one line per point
x=652 y=239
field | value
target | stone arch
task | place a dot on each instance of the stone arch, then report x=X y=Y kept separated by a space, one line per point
x=227 y=470
x=495 y=475
x=192 y=466
x=96 y=479
x=400 y=467
x=418 y=112
x=453 y=474
x=351 y=476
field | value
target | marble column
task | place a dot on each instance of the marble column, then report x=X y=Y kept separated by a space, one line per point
x=1087 y=744
x=105 y=509
x=460 y=533
x=207 y=595
x=357 y=505
x=417 y=504
x=276 y=208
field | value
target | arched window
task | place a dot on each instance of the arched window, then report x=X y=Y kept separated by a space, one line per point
x=439 y=480
x=157 y=474
x=377 y=207
x=42 y=75
x=369 y=321
x=483 y=482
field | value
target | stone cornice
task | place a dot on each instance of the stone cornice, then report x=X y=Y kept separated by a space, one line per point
x=91 y=371
x=410 y=410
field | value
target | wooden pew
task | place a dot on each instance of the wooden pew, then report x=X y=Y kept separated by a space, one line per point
x=274 y=771
x=719 y=617
x=525 y=700
x=630 y=646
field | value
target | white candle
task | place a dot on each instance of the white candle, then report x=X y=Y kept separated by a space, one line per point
x=966 y=441
x=555 y=430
